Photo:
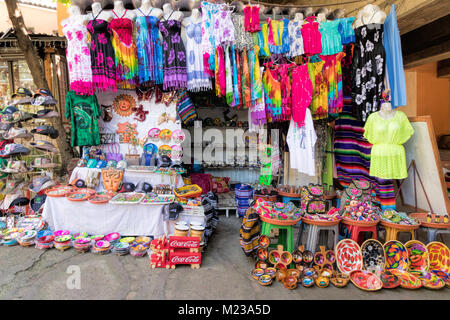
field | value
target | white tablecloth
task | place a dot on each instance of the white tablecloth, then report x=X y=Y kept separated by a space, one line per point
x=131 y=176
x=126 y=219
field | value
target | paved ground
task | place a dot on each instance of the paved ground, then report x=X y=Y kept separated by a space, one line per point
x=28 y=273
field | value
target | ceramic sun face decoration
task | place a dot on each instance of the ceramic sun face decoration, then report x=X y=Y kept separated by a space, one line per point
x=124 y=104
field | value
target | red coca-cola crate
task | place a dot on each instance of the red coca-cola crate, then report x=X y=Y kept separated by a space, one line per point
x=176 y=242
x=183 y=257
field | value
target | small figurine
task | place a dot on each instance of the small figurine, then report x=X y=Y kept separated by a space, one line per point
x=429 y=217
x=446 y=218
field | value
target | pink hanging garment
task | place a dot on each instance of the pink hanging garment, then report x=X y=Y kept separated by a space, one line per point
x=247 y=18
x=301 y=94
x=255 y=26
x=222 y=74
x=312 y=39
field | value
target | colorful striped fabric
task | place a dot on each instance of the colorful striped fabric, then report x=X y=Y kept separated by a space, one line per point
x=352 y=155
x=185 y=107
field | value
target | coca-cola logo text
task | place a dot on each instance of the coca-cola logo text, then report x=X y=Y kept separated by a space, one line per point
x=187 y=259
x=184 y=244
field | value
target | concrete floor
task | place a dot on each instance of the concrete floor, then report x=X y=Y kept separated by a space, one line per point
x=28 y=273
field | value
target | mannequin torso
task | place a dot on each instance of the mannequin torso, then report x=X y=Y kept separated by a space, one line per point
x=121 y=12
x=99 y=13
x=386 y=111
x=168 y=13
x=368 y=15
x=195 y=16
x=75 y=16
x=147 y=9
x=299 y=17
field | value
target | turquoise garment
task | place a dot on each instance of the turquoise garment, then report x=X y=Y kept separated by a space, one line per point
x=149 y=49
x=331 y=38
x=346 y=30
x=394 y=60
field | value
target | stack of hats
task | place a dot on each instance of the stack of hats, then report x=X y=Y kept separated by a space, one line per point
x=82 y=244
x=243 y=196
x=45 y=242
x=121 y=248
x=27 y=238
x=101 y=247
x=63 y=242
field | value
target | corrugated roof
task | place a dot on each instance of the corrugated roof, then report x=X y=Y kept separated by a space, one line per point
x=50 y=4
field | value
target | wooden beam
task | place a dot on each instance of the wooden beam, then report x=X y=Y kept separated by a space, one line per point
x=423 y=13
x=434 y=53
x=443 y=69
x=427 y=44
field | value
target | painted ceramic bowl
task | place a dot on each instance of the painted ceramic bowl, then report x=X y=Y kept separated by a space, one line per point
x=309 y=272
x=389 y=280
x=322 y=282
x=293 y=272
x=261 y=265
x=307 y=282
x=396 y=255
x=265 y=280
x=280 y=266
x=262 y=254
x=256 y=273
x=128 y=239
x=308 y=257
x=61 y=233
x=290 y=282
x=271 y=272
x=112 y=237
x=280 y=275
x=264 y=242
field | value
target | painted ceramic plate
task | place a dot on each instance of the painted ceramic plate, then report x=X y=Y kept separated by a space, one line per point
x=418 y=256
x=429 y=280
x=373 y=256
x=99 y=199
x=439 y=256
x=165 y=150
x=407 y=280
x=178 y=136
x=396 y=255
x=348 y=256
x=165 y=135
x=78 y=196
x=154 y=133
x=366 y=280
x=149 y=148
x=389 y=280
x=59 y=192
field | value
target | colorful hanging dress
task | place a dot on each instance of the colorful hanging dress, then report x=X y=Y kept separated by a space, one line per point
x=175 y=73
x=331 y=38
x=125 y=52
x=295 y=39
x=78 y=58
x=312 y=39
x=209 y=11
x=197 y=79
x=302 y=89
x=102 y=55
x=278 y=36
x=319 y=103
x=272 y=95
x=368 y=70
x=149 y=49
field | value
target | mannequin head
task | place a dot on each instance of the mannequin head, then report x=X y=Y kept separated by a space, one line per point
x=298 y=16
x=74 y=11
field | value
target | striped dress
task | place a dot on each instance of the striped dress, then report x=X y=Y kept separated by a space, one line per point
x=352 y=155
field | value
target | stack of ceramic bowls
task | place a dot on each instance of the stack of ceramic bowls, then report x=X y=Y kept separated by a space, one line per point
x=96 y=238
x=27 y=238
x=82 y=244
x=101 y=247
x=58 y=233
x=63 y=242
x=45 y=242
x=112 y=237
x=80 y=235
x=121 y=248
x=145 y=241
x=128 y=240
x=138 y=250
x=10 y=239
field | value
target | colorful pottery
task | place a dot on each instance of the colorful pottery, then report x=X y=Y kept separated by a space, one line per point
x=429 y=279
x=307 y=282
x=280 y=275
x=389 y=280
x=265 y=280
x=261 y=265
x=78 y=196
x=340 y=280
x=290 y=282
x=322 y=282
x=407 y=280
x=123 y=105
x=365 y=280
x=111 y=237
x=439 y=256
x=373 y=256
x=271 y=272
x=348 y=256
x=256 y=273
x=264 y=241
x=418 y=256
x=262 y=254
x=396 y=255
x=61 y=233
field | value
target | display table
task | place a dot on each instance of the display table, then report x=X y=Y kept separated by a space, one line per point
x=131 y=176
x=126 y=219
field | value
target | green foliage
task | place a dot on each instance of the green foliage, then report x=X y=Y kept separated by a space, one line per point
x=65 y=2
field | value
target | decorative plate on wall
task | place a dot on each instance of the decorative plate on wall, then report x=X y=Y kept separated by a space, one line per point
x=348 y=256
